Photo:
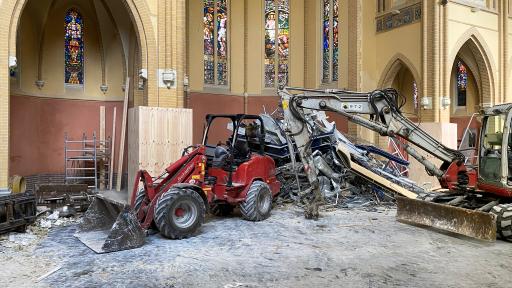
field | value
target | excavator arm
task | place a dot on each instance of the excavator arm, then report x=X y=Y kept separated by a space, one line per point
x=378 y=111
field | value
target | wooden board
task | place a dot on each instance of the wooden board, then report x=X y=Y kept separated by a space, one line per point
x=377 y=179
x=112 y=153
x=156 y=138
x=123 y=136
x=102 y=148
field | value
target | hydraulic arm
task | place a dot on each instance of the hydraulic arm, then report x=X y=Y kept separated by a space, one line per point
x=378 y=111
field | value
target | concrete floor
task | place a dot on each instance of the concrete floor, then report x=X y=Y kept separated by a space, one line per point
x=345 y=248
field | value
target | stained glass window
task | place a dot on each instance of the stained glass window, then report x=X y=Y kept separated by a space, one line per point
x=330 y=40
x=74 y=48
x=277 y=42
x=215 y=30
x=462 y=83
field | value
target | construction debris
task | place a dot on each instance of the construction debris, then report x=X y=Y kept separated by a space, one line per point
x=55 y=196
x=17 y=211
x=340 y=187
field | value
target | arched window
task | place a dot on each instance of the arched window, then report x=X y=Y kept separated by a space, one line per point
x=462 y=83
x=330 y=47
x=215 y=30
x=74 y=48
x=276 y=56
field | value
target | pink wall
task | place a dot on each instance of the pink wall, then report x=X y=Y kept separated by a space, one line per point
x=204 y=103
x=37 y=127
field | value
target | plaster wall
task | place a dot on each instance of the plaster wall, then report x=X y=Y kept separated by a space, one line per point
x=38 y=126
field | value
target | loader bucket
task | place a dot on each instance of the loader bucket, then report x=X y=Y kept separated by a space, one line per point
x=110 y=225
x=471 y=223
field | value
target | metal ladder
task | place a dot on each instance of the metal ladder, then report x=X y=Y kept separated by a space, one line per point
x=82 y=159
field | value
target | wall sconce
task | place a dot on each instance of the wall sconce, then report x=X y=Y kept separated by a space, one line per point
x=426 y=102
x=39 y=84
x=13 y=66
x=143 y=77
x=167 y=78
x=104 y=88
x=445 y=102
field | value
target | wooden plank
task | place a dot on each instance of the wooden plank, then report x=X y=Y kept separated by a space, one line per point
x=112 y=151
x=102 y=150
x=123 y=136
x=133 y=147
x=379 y=180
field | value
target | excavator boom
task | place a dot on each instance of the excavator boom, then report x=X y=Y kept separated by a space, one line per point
x=385 y=118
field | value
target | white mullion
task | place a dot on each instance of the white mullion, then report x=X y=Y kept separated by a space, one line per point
x=331 y=39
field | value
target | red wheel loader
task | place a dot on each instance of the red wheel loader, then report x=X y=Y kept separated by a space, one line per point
x=214 y=177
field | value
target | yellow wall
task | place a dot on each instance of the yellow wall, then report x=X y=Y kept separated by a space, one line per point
x=48 y=41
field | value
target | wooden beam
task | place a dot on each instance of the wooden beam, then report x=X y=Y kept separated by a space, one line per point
x=123 y=136
x=102 y=158
x=113 y=150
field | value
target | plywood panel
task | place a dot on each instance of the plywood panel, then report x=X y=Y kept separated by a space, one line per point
x=156 y=138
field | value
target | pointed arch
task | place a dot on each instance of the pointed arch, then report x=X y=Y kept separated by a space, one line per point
x=397 y=62
x=483 y=66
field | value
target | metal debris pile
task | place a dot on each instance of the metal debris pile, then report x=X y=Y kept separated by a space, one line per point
x=339 y=186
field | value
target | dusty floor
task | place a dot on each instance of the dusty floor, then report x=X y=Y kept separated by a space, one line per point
x=345 y=248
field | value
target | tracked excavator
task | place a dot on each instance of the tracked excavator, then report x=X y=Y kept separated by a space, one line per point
x=475 y=200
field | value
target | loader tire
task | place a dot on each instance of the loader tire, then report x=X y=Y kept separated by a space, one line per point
x=140 y=197
x=179 y=213
x=503 y=214
x=257 y=203
x=221 y=209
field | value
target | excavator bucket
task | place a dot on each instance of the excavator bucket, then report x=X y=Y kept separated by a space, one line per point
x=471 y=223
x=110 y=225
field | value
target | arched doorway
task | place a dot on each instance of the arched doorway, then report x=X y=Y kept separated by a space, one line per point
x=407 y=87
x=72 y=59
x=471 y=87
x=401 y=74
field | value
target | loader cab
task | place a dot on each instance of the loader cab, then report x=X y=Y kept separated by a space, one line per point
x=226 y=139
x=495 y=155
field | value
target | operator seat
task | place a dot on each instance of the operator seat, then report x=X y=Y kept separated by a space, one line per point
x=220 y=157
x=241 y=151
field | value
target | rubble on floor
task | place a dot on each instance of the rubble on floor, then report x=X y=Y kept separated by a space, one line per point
x=46 y=220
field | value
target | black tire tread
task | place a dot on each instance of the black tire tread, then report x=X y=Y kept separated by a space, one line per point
x=248 y=206
x=162 y=210
x=503 y=214
x=139 y=199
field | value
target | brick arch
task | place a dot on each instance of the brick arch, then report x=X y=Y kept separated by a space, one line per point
x=395 y=64
x=482 y=65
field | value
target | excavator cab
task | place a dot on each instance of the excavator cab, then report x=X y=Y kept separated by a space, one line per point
x=495 y=155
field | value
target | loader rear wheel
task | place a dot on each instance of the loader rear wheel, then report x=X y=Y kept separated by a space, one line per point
x=257 y=203
x=503 y=214
x=179 y=213
x=221 y=209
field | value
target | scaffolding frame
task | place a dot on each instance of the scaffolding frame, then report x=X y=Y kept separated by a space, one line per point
x=80 y=155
